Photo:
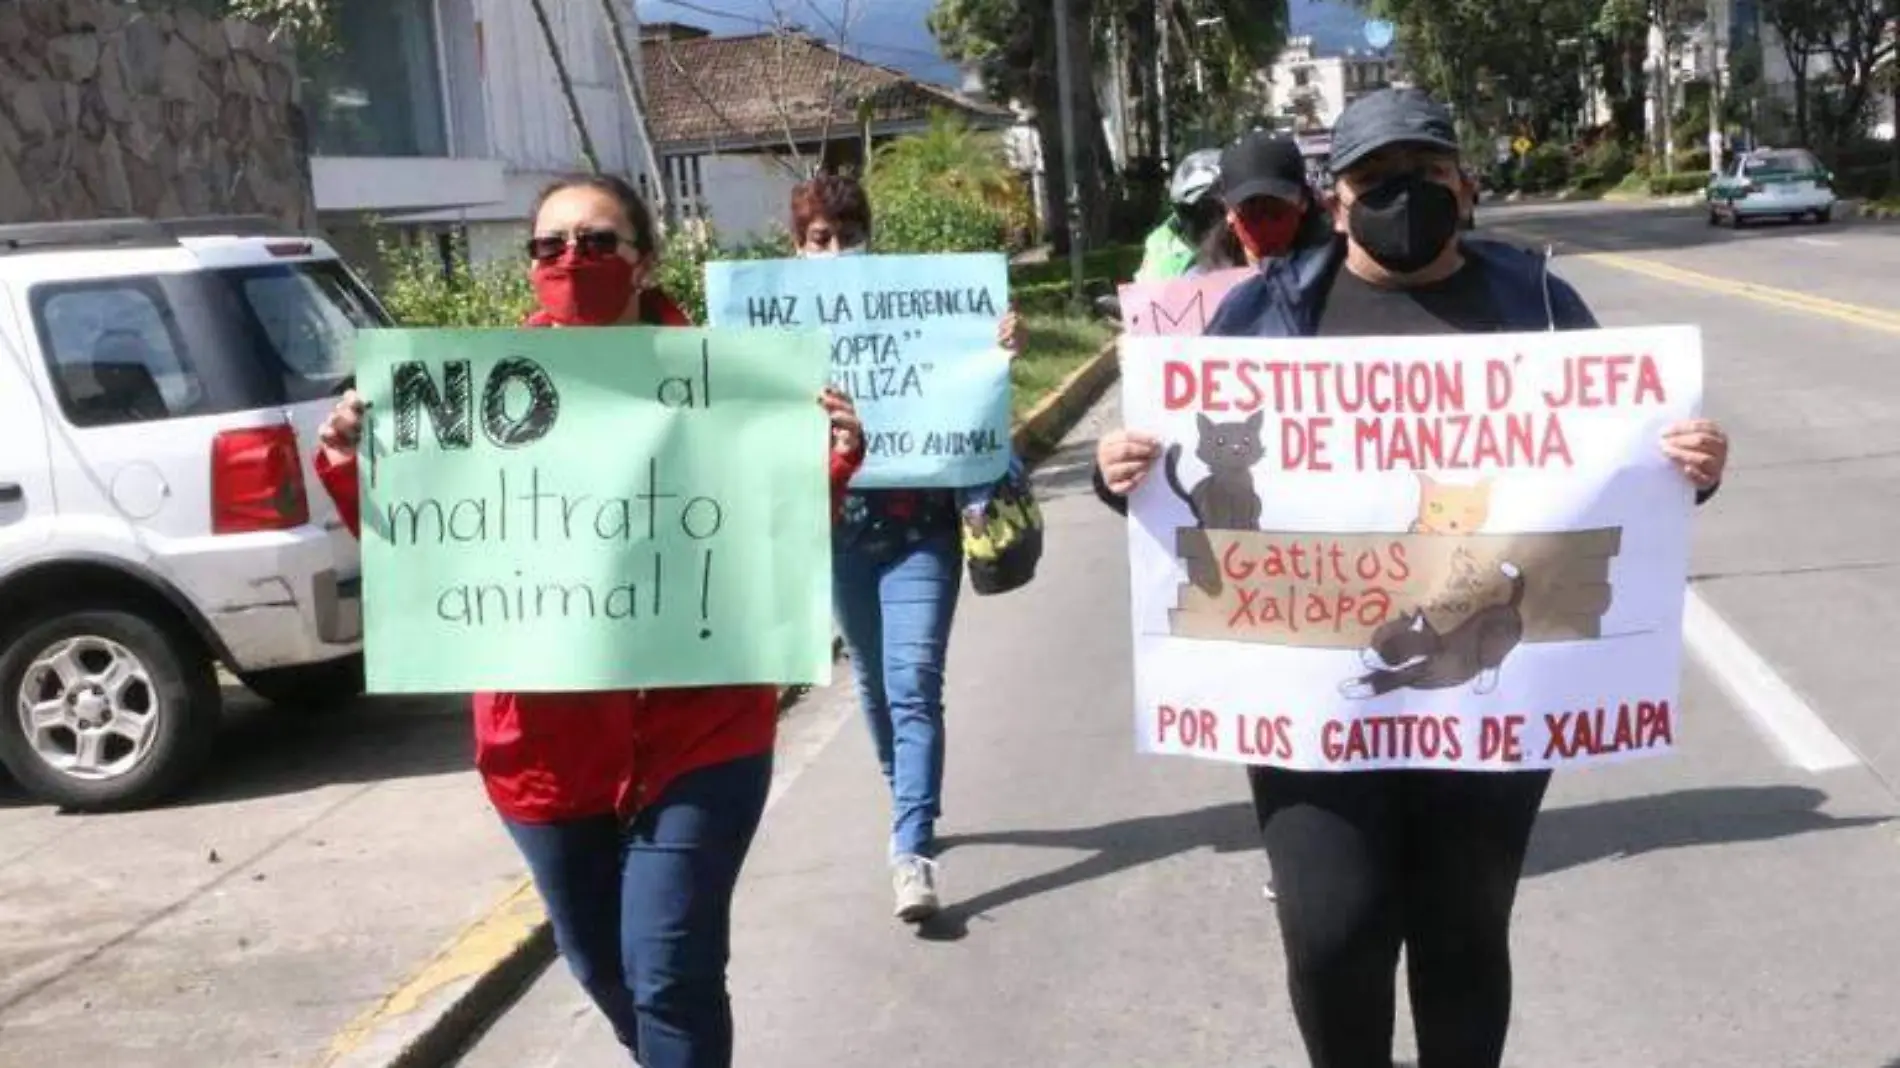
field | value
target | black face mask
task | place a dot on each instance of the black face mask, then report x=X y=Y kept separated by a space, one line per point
x=1404 y=222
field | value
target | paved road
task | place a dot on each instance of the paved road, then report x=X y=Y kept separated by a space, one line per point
x=1728 y=906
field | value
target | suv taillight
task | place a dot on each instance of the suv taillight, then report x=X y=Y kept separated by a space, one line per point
x=257 y=481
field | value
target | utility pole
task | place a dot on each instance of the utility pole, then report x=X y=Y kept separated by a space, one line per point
x=1717 y=60
x=635 y=86
x=1161 y=85
x=1893 y=89
x=1119 y=90
x=1065 y=94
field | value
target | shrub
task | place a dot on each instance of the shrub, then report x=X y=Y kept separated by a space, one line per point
x=917 y=220
x=1670 y=185
x=951 y=159
x=1634 y=184
x=1873 y=183
x=1040 y=298
x=1545 y=168
x=1696 y=159
x=1115 y=264
x=419 y=289
x=690 y=247
x=1605 y=164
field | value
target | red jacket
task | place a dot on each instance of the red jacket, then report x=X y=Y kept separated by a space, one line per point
x=545 y=757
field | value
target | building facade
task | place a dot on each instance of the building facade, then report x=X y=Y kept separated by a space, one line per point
x=433 y=117
x=1307 y=90
x=739 y=120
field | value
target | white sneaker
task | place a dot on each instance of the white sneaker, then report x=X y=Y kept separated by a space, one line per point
x=915 y=881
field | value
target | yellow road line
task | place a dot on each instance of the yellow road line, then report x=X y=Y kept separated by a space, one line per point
x=1874 y=318
x=480 y=947
x=1841 y=311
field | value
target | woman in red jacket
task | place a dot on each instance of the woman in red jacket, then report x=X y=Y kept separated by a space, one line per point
x=634 y=808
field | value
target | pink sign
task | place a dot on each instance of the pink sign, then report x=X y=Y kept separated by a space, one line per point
x=1178 y=307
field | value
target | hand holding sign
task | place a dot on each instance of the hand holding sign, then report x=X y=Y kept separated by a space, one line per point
x=1700 y=448
x=343 y=426
x=1125 y=457
x=847 y=430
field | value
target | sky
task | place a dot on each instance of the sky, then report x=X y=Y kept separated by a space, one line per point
x=896 y=36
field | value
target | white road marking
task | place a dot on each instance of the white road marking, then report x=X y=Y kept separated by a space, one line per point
x=1780 y=714
x=1823 y=242
x=809 y=729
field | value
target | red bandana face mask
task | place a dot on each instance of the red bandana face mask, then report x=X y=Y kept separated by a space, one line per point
x=1266 y=234
x=594 y=291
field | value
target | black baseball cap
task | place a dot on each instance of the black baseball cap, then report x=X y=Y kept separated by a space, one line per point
x=1390 y=117
x=1261 y=165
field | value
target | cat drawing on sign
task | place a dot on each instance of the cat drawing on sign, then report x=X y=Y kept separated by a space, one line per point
x=1449 y=508
x=1409 y=653
x=1226 y=499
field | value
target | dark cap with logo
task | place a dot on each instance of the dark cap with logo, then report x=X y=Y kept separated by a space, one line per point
x=1390 y=117
x=1261 y=165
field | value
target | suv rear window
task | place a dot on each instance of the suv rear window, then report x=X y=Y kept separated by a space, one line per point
x=138 y=349
x=307 y=313
x=117 y=354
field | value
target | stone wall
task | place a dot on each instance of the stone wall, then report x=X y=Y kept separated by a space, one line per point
x=110 y=110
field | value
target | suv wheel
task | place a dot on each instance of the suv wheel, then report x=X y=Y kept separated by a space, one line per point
x=104 y=709
x=311 y=687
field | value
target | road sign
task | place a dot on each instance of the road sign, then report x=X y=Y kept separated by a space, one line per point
x=1378 y=33
x=1522 y=146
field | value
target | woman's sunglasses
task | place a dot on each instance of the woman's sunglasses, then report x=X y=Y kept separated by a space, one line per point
x=589 y=243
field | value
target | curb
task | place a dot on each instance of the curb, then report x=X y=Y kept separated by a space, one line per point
x=430 y=1019
x=1040 y=431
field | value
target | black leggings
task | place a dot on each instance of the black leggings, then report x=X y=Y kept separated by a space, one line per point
x=1364 y=862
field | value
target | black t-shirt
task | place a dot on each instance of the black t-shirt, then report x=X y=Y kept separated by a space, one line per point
x=1461 y=304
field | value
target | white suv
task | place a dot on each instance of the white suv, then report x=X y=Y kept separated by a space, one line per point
x=161 y=385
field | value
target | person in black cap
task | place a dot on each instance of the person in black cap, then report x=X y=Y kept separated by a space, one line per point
x=1269 y=208
x=1368 y=863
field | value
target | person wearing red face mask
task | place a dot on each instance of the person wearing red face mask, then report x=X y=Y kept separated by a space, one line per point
x=633 y=808
x=1270 y=209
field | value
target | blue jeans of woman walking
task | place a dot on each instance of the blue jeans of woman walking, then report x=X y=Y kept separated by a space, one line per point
x=895 y=603
x=643 y=912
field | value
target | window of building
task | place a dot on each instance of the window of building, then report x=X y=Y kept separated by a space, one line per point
x=379 y=91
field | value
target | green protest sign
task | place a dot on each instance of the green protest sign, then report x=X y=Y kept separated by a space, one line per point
x=594 y=509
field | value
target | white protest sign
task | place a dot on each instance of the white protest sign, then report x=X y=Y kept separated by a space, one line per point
x=1438 y=552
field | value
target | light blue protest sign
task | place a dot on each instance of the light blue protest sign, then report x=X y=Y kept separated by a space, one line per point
x=913 y=342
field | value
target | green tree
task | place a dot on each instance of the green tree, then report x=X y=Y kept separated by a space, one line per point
x=948 y=156
x=1800 y=24
x=1856 y=40
x=1510 y=66
x=1012 y=43
x=949 y=169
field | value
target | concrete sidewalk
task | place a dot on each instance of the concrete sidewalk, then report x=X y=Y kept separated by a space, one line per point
x=252 y=922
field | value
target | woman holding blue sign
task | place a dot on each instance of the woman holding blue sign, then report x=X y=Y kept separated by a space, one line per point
x=634 y=809
x=897 y=568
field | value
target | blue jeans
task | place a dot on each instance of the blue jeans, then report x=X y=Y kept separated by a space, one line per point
x=895 y=608
x=643 y=913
